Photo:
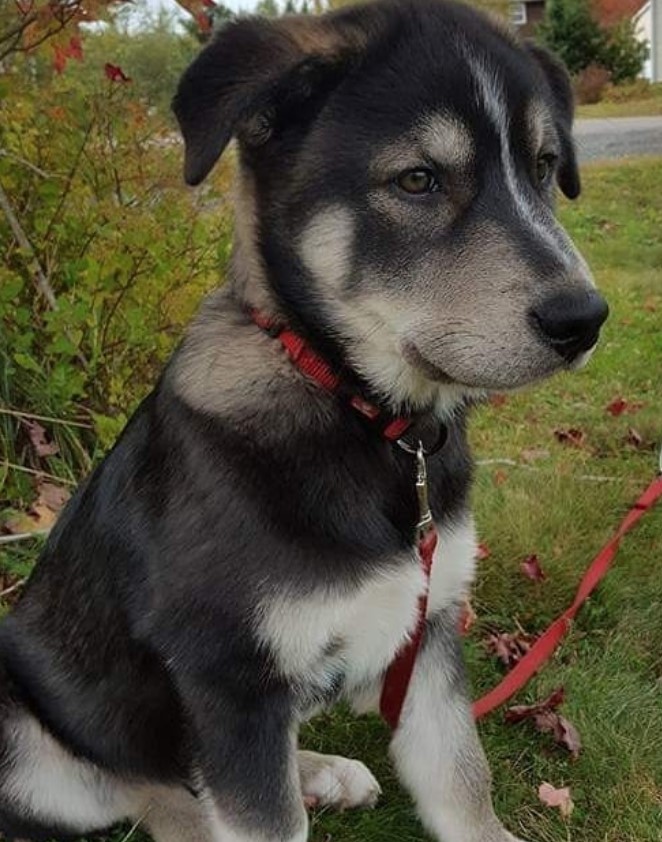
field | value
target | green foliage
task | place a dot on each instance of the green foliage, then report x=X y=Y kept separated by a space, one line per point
x=92 y=173
x=623 y=54
x=570 y=30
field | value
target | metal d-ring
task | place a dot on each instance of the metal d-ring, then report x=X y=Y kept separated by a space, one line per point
x=440 y=441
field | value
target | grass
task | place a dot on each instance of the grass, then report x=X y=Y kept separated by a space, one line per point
x=611 y=666
x=638 y=101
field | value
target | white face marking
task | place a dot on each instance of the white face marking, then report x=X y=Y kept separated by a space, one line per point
x=448 y=140
x=326 y=246
x=543 y=224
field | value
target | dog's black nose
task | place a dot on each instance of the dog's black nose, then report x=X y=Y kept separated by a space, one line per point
x=571 y=322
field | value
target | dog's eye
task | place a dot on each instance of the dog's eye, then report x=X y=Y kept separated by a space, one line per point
x=545 y=168
x=417 y=182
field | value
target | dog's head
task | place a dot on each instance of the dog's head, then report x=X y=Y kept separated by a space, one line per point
x=403 y=159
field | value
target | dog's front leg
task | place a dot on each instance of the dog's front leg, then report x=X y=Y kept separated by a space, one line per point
x=436 y=747
x=244 y=747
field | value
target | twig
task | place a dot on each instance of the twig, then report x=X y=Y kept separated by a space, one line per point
x=514 y=464
x=43 y=285
x=42 y=282
x=35 y=473
x=18 y=414
x=28 y=164
x=15 y=587
x=23 y=536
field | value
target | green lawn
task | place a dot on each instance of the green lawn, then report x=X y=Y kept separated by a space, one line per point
x=611 y=666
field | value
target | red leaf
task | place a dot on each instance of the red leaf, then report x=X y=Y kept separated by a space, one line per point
x=203 y=21
x=619 y=405
x=531 y=568
x=75 y=48
x=60 y=59
x=510 y=648
x=483 y=552
x=38 y=439
x=498 y=400
x=115 y=73
x=572 y=436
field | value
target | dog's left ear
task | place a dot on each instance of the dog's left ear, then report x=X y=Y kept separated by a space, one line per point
x=255 y=75
x=563 y=105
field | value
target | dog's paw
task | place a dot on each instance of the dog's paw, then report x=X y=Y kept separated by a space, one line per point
x=330 y=781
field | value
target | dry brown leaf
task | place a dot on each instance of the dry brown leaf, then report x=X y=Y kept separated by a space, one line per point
x=572 y=436
x=531 y=568
x=39 y=440
x=550 y=796
x=547 y=720
x=53 y=496
x=509 y=647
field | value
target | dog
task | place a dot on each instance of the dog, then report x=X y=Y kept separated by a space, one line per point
x=246 y=554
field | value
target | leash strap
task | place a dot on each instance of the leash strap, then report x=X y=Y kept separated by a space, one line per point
x=545 y=646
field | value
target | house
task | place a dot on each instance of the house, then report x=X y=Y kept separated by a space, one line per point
x=527 y=15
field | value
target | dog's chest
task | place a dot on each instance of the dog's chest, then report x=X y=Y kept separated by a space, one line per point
x=353 y=635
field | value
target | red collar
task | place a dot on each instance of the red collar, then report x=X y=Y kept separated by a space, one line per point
x=310 y=363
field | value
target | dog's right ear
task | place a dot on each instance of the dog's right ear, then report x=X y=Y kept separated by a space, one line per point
x=253 y=69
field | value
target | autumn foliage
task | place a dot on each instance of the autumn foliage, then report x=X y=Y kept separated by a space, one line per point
x=103 y=251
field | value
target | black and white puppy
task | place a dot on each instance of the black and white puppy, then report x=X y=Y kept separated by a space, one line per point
x=245 y=554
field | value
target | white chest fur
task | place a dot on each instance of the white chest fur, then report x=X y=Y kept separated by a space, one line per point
x=357 y=633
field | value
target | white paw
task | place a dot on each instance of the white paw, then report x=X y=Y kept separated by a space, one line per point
x=329 y=781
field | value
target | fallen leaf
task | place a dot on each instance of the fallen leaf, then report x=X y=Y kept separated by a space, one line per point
x=39 y=517
x=619 y=405
x=38 y=439
x=509 y=647
x=483 y=552
x=532 y=454
x=499 y=477
x=53 y=496
x=572 y=436
x=650 y=304
x=498 y=400
x=467 y=617
x=634 y=438
x=550 y=796
x=531 y=568
x=547 y=720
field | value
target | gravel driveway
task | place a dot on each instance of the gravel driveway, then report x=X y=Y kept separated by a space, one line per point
x=618 y=137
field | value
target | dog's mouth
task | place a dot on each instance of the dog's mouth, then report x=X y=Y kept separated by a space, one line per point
x=414 y=357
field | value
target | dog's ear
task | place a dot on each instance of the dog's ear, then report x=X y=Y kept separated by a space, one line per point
x=563 y=104
x=253 y=72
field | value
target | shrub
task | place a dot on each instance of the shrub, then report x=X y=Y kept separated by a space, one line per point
x=622 y=53
x=590 y=84
x=93 y=211
x=570 y=30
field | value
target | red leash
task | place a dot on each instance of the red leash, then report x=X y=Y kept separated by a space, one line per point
x=398 y=675
x=545 y=646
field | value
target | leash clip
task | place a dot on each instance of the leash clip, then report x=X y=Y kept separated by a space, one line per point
x=424 y=513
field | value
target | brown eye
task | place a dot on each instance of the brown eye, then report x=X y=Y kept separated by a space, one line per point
x=545 y=168
x=418 y=182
